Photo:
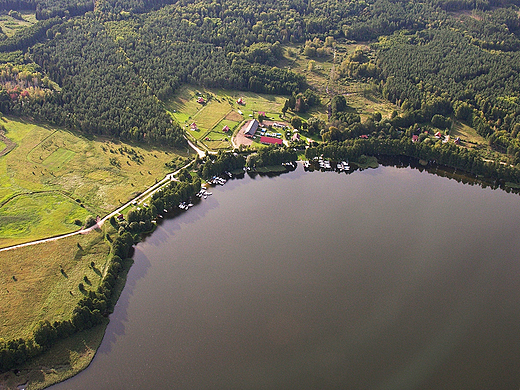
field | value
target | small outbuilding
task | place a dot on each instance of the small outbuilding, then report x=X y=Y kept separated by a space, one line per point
x=225 y=129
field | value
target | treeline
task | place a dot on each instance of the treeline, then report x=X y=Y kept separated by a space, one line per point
x=47 y=9
x=479 y=86
x=223 y=162
x=28 y=36
x=447 y=154
x=172 y=195
x=101 y=92
x=272 y=155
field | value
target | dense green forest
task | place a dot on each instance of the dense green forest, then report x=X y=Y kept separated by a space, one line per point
x=107 y=69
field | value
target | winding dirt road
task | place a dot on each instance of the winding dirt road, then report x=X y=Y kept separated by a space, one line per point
x=100 y=221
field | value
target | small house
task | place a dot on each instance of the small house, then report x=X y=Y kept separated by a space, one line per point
x=225 y=129
x=241 y=102
x=295 y=137
x=415 y=138
x=201 y=100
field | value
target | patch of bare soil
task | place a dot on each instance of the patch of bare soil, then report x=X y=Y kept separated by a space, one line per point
x=9 y=145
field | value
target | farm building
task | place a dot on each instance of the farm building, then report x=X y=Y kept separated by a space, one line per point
x=225 y=129
x=241 y=102
x=251 y=128
x=271 y=140
x=200 y=100
x=295 y=137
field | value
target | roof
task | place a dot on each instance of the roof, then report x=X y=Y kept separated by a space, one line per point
x=251 y=128
x=225 y=128
x=270 y=140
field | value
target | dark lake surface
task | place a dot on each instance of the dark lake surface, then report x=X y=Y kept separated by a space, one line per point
x=389 y=278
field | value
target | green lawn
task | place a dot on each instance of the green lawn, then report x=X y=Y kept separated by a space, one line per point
x=37 y=215
x=211 y=114
x=226 y=122
x=221 y=109
x=100 y=173
x=217 y=140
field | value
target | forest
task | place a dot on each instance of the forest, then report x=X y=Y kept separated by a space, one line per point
x=109 y=69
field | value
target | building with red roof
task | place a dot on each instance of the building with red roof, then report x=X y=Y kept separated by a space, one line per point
x=270 y=140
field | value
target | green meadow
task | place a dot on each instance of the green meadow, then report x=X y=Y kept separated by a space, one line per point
x=54 y=178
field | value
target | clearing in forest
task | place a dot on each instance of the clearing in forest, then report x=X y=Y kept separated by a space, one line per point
x=204 y=120
x=323 y=74
x=16 y=21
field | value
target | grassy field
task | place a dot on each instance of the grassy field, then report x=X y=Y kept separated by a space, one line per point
x=54 y=177
x=33 y=287
x=326 y=81
x=467 y=134
x=11 y=25
x=221 y=109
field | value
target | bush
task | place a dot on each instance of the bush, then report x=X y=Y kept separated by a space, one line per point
x=90 y=221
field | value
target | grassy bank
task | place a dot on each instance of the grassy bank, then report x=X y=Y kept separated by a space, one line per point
x=41 y=282
x=67 y=357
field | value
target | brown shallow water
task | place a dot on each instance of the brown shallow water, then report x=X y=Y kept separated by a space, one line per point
x=382 y=279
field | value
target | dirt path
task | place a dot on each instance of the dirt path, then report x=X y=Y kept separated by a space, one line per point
x=100 y=221
x=9 y=145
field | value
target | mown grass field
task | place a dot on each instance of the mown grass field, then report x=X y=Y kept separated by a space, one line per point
x=33 y=288
x=54 y=177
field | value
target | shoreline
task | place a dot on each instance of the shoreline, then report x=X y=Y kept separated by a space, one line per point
x=92 y=338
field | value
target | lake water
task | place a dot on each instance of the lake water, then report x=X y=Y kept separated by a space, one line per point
x=382 y=279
